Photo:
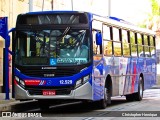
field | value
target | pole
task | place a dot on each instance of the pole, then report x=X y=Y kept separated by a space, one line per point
x=4 y=82
x=42 y=5
x=52 y=4
x=6 y=68
x=72 y=4
x=109 y=8
x=30 y=5
x=4 y=34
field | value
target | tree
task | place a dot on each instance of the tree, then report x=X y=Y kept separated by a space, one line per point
x=153 y=17
x=155 y=8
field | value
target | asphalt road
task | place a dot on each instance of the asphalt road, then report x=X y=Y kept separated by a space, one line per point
x=147 y=109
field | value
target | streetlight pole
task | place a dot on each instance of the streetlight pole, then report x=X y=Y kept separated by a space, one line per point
x=30 y=5
x=42 y=5
x=109 y=8
x=52 y=4
x=72 y=4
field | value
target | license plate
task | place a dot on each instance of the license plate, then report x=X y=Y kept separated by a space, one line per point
x=49 y=92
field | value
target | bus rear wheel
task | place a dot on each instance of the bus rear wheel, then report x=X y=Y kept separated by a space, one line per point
x=130 y=97
x=139 y=95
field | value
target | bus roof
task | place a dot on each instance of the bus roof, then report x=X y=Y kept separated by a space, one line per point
x=114 y=21
x=51 y=12
x=120 y=23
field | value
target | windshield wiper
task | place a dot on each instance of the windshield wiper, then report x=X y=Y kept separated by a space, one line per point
x=58 y=43
x=66 y=31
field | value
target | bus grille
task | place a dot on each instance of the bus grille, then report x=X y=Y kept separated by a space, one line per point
x=49 y=73
x=59 y=91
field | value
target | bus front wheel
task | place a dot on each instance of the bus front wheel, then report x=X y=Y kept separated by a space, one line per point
x=103 y=103
x=43 y=105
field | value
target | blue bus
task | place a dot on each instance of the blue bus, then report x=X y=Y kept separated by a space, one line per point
x=80 y=56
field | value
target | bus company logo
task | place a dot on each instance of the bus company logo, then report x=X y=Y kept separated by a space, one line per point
x=43 y=82
x=49 y=82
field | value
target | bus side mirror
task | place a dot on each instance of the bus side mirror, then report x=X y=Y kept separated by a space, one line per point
x=98 y=38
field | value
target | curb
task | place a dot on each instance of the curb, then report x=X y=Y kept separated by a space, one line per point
x=1 y=89
x=156 y=87
x=18 y=106
x=7 y=107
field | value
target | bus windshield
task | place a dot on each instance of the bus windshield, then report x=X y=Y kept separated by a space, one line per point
x=53 y=47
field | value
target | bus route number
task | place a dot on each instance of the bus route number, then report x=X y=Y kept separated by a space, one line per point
x=65 y=82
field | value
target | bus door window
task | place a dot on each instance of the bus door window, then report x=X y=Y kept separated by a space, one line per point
x=96 y=48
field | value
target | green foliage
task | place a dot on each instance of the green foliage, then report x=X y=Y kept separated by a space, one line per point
x=142 y=25
x=155 y=7
x=155 y=12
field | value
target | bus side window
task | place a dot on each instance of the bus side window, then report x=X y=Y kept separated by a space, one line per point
x=146 y=46
x=125 y=43
x=140 y=47
x=116 y=42
x=107 y=48
x=152 y=46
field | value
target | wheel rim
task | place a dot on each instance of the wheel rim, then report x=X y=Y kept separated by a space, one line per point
x=105 y=94
x=140 y=88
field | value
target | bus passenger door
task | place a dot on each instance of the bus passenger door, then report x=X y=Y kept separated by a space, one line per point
x=98 y=81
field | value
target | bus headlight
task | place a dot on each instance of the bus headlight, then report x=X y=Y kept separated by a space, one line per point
x=82 y=81
x=78 y=83
x=17 y=79
x=85 y=79
x=22 y=82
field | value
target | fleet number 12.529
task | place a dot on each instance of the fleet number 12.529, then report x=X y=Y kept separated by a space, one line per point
x=66 y=82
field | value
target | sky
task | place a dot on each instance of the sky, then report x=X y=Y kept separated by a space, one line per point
x=134 y=11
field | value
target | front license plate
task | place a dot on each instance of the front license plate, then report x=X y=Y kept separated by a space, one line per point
x=49 y=92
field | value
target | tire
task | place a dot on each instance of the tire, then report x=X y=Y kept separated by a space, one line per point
x=103 y=103
x=43 y=105
x=139 y=95
x=108 y=96
x=130 y=97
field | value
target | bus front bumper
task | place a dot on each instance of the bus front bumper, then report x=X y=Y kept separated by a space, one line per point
x=83 y=92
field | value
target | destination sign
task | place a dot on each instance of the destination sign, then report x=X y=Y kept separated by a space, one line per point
x=72 y=60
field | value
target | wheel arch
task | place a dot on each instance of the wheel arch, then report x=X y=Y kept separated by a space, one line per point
x=108 y=83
